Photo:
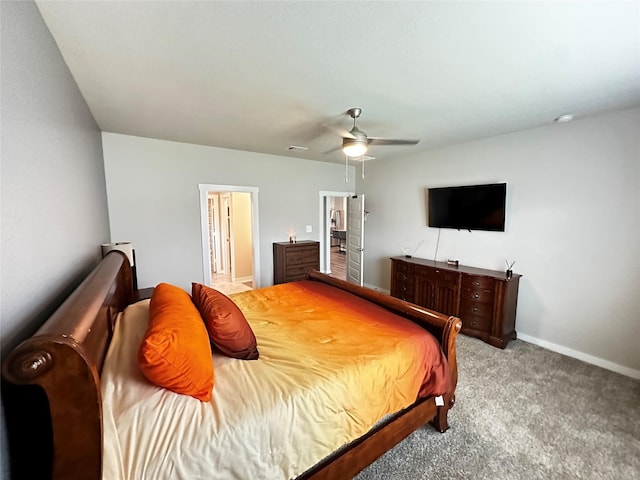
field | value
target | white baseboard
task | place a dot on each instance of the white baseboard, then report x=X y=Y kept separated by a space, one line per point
x=377 y=289
x=614 y=367
x=243 y=279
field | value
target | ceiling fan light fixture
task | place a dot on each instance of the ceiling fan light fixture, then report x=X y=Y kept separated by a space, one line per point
x=354 y=147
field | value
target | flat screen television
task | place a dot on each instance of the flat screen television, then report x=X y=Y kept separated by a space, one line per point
x=470 y=207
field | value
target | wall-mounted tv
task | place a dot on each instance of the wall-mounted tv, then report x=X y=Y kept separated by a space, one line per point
x=469 y=207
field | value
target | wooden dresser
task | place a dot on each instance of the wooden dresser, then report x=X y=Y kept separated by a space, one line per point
x=485 y=300
x=291 y=261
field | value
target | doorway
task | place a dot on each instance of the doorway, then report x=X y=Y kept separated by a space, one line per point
x=333 y=233
x=338 y=237
x=230 y=237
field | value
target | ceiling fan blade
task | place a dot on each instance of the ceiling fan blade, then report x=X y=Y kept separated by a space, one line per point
x=390 y=141
x=340 y=131
x=334 y=149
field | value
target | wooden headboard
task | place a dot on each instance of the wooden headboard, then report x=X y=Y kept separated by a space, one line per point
x=64 y=359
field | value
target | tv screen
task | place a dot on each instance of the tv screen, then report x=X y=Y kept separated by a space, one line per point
x=471 y=207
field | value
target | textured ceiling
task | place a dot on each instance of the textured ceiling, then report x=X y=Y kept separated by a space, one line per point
x=260 y=76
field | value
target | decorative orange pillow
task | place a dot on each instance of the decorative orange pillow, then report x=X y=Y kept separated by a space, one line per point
x=175 y=352
x=228 y=328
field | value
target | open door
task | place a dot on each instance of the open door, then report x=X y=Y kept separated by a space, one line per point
x=355 y=239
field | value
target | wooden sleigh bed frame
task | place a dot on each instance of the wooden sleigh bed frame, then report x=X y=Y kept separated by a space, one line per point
x=53 y=379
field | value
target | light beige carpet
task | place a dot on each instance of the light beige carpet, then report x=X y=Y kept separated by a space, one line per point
x=525 y=413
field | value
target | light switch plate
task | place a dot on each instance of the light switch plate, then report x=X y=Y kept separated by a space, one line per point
x=309 y=229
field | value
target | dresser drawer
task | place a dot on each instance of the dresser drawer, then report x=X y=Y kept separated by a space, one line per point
x=298 y=273
x=477 y=295
x=404 y=289
x=468 y=307
x=400 y=267
x=476 y=315
x=438 y=275
x=403 y=279
x=302 y=256
x=474 y=282
x=475 y=322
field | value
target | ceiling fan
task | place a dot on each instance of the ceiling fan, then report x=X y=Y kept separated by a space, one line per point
x=355 y=142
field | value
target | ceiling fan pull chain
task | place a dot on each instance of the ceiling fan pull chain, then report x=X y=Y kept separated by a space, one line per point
x=346 y=169
x=362 y=167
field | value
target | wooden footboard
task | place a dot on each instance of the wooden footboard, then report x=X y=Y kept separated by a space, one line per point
x=52 y=379
x=443 y=327
x=370 y=447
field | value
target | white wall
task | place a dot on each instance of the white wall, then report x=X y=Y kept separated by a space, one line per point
x=573 y=228
x=152 y=190
x=54 y=204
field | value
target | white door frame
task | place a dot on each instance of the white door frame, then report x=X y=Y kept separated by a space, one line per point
x=204 y=227
x=215 y=218
x=226 y=232
x=324 y=227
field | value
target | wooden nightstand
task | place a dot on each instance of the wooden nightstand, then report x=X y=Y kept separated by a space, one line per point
x=142 y=294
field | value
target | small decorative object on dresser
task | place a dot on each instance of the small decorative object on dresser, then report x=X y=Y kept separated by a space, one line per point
x=291 y=261
x=485 y=300
x=510 y=268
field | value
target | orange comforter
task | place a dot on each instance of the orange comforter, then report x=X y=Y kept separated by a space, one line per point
x=338 y=330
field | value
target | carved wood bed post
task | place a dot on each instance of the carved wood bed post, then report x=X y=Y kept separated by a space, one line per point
x=448 y=342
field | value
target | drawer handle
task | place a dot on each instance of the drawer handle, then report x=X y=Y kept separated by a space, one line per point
x=476 y=295
x=404 y=277
x=475 y=309
x=476 y=284
x=474 y=324
x=404 y=288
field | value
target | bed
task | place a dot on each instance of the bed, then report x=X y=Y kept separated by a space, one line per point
x=52 y=381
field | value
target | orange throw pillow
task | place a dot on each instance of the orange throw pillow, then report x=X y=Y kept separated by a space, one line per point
x=175 y=352
x=228 y=328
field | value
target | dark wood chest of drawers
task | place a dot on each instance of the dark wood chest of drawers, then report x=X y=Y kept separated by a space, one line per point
x=485 y=300
x=291 y=261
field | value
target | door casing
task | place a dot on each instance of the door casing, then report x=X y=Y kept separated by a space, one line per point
x=204 y=227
